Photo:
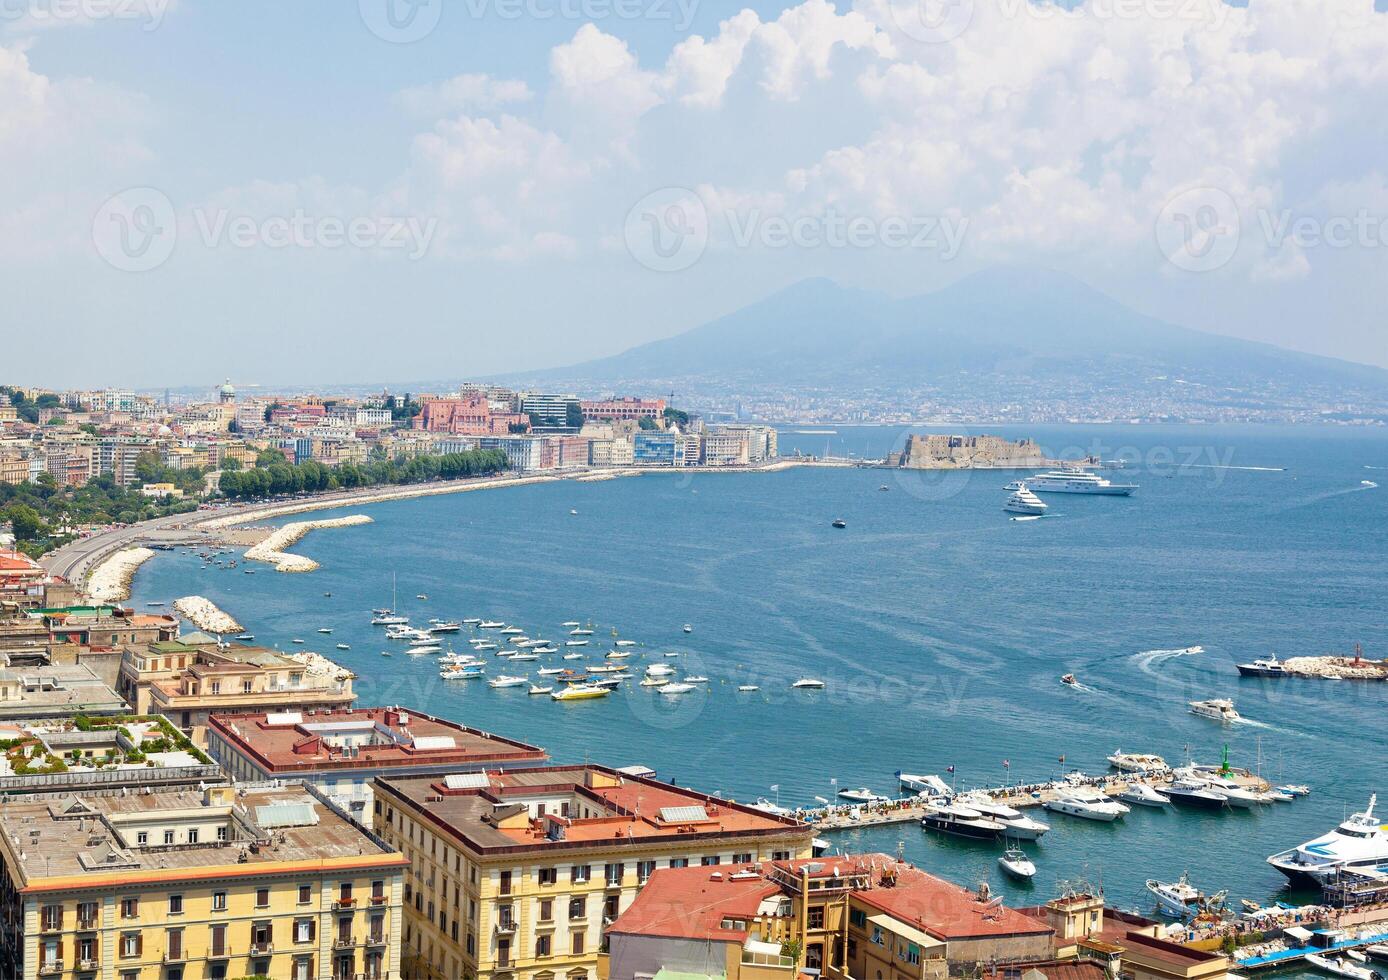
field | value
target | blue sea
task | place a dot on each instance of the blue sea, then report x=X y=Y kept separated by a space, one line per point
x=940 y=627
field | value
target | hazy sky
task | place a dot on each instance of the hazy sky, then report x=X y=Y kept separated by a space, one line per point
x=327 y=190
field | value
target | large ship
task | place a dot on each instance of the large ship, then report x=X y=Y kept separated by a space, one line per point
x=1072 y=479
x=1023 y=501
x=1359 y=843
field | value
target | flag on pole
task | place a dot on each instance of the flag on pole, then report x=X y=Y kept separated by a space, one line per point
x=776 y=788
x=834 y=781
x=1006 y=764
x=1062 y=760
x=950 y=769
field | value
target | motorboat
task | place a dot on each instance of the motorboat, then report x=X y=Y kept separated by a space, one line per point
x=674 y=688
x=696 y=679
x=660 y=670
x=747 y=688
x=1216 y=709
x=389 y=619
x=1295 y=789
x=571 y=623
x=1182 y=900
x=1343 y=967
x=603 y=669
x=932 y=785
x=580 y=631
x=581 y=692
x=512 y=631
x=445 y=627
x=422 y=597
x=1358 y=843
x=471 y=621
x=544 y=649
x=838 y=522
x=517 y=657
x=766 y=806
x=808 y=684
x=1016 y=863
x=1073 y=479
x=1144 y=794
x=1019 y=825
x=625 y=643
x=490 y=624
x=688 y=628
x=296 y=641
x=861 y=795
x=1068 y=679
x=1378 y=951
x=1023 y=501
x=671 y=654
x=618 y=654
x=425 y=649
x=461 y=673
x=518 y=640
x=537 y=689
x=961 y=821
x=573 y=656
x=1268 y=666
x=507 y=680
x=343 y=646
x=1238 y=796
x=654 y=681
x=575 y=643
x=325 y=629
x=1189 y=791
x=1135 y=761
x=1087 y=803
x=246 y=637
x=548 y=671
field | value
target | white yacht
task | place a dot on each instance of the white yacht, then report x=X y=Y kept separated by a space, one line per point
x=1358 y=843
x=1088 y=803
x=808 y=684
x=931 y=784
x=766 y=806
x=1144 y=794
x=961 y=821
x=389 y=619
x=1192 y=791
x=580 y=632
x=1238 y=796
x=1073 y=479
x=1179 y=898
x=1016 y=863
x=575 y=643
x=674 y=688
x=507 y=680
x=861 y=795
x=490 y=624
x=659 y=670
x=1135 y=761
x=1019 y=825
x=1216 y=709
x=1023 y=501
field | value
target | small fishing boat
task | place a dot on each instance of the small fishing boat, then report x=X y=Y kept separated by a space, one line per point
x=507 y=680
x=1016 y=863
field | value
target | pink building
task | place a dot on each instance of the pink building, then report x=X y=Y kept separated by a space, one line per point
x=623 y=409
x=470 y=416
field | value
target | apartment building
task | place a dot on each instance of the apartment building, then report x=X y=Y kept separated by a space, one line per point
x=518 y=874
x=190 y=679
x=228 y=882
x=343 y=750
x=622 y=409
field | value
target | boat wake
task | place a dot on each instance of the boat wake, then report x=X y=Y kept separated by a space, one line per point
x=1368 y=484
x=1225 y=466
x=1147 y=660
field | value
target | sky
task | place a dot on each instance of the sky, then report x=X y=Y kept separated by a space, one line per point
x=342 y=191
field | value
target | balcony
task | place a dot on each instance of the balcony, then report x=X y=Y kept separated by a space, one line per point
x=87 y=924
x=175 y=956
x=505 y=925
x=88 y=966
x=344 y=942
x=260 y=949
x=219 y=953
x=50 y=966
x=377 y=939
x=344 y=903
x=378 y=899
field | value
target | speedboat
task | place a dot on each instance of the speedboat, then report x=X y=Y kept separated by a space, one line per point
x=1342 y=967
x=1238 y=796
x=1189 y=791
x=547 y=671
x=1268 y=666
x=246 y=637
x=961 y=821
x=861 y=795
x=660 y=670
x=343 y=646
x=296 y=641
x=424 y=649
x=1023 y=501
x=1360 y=842
x=471 y=621
x=839 y=522
x=747 y=688
x=537 y=689
x=580 y=631
x=654 y=681
x=696 y=679
x=1216 y=709
x=490 y=624
x=1294 y=789
x=1180 y=898
x=507 y=680
x=325 y=629
x=625 y=643
x=1143 y=794
x=1019 y=825
x=573 y=656
x=512 y=631
x=575 y=643
x=1135 y=761
x=808 y=684
x=1016 y=863
x=932 y=784
x=581 y=692
x=445 y=627
x=571 y=623
x=674 y=688
x=766 y=806
x=618 y=654
x=1073 y=479
x=688 y=629
x=1087 y=803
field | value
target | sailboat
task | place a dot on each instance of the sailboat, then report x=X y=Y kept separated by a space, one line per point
x=391 y=617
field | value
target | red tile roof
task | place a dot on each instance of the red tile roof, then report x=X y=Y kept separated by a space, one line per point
x=690 y=903
x=1053 y=970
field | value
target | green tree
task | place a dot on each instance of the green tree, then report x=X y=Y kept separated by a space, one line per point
x=677 y=417
x=28 y=523
x=647 y=423
x=573 y=415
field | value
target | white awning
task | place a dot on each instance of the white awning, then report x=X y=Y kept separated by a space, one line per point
x=764 y=949
x=898 y=928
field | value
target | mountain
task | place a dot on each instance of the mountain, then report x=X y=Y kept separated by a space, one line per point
x=1006 y=329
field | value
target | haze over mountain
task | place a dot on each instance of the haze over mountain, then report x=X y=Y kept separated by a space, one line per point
x=1005 y=324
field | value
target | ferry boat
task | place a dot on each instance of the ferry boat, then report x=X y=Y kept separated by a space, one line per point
x=961 y=821
x=1268 y=666
x=1135 y=761
x=1087 y=803
x=1072 y=479
x=581 y=692
x=1358 y=843
x=1023 y=501
x=1216 y=709
x=1018 y=825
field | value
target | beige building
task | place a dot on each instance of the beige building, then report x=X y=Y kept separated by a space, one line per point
x=188 y=680
x=516 y=876
x=229 y=882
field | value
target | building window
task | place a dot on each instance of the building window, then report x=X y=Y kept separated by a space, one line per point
x=305 y=894
x=858 y=918
x=679 y=862
x=131 y=945
x=168 y=837
x=262 y=898
x=175 y=905
x=303 y=930
x=546 y=909
x=780 y=855
x=614 y=873
x=578 y=907
x=542 y=945
x=581 y=872
x=644 y=870
x=141 y=838
x=578 y=939
x=192 y=835
x=610 y=906
x=548 y=876
x=219 y=901
x=814 y=917
x=130 y=908
x=505 y=887
x=708 y=860
x=221 y=833
x=744 y=858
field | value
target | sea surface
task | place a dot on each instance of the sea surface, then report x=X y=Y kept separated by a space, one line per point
x=940 y=626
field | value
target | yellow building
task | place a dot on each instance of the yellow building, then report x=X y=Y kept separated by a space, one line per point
x=256 y=880
x=189 y=679
x=517 y=875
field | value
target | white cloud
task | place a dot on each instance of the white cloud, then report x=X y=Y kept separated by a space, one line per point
x=470 y=93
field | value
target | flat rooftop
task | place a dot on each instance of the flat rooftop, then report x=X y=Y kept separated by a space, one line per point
x=504 y=811
x=290 y=742
x=58 y=688
x=90 y=841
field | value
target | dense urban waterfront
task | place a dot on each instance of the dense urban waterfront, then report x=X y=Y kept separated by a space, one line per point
x=940 y=627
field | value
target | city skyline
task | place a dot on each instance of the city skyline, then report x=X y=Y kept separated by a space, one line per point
x=490 y=188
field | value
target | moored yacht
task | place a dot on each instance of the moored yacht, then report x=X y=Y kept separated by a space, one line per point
x=961 y=821
x=1180 y=898
x=1143 y=794
x=1359 y=842
x=1023 y=501
x=1216 y=709
x=1072 y=479
x=808 y=684
x=1135 y=761
x=861 y=795
x=1019 y=825
x=1190 y=791
x=1016 y=863
x=924 y=784
x=1087 y=803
